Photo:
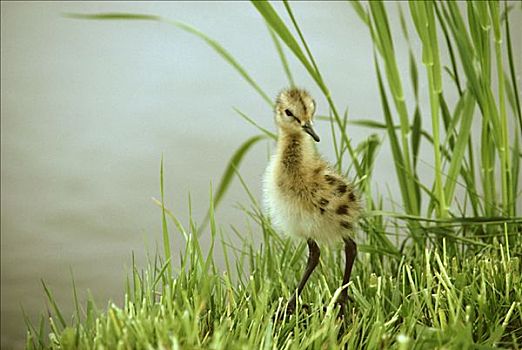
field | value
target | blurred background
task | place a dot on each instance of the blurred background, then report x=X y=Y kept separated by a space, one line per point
x=89 y=108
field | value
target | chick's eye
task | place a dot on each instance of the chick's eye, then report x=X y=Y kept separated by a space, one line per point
x=290 y=114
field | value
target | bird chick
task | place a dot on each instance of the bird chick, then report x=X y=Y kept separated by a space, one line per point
x=303 y=195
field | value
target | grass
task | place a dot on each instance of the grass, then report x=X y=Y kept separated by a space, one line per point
x=441 y=269
x=429 y=300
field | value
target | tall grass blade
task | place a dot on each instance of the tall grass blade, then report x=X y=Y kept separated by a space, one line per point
x=75 y=299
x=55 y=307
x=282 y=57
x=512 y=70
x=166 y=238
x=276 y=23
x=397 y=154
x=424 y=19
x=381 y=33
x=460 y=147
x=506 y=175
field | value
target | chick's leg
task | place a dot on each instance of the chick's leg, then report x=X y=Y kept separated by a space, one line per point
x=313 y=260
x=350 y=251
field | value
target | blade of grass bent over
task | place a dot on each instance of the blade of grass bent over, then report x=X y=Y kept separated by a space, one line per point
x=187 y=28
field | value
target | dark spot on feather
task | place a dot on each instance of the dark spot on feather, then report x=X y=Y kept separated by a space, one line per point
x=342 y=210
x=318 y=170
x=322 y=210
x=346 y=225
x=323 y=202
x=330 y=179
x=342 y=189
x=351 y=196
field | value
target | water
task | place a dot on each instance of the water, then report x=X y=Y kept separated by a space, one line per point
x=88 y=109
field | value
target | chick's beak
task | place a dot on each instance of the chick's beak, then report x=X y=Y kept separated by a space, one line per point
x=308 y=128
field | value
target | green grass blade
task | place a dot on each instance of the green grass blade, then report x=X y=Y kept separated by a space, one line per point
x=515 y=164
x=166 y=238
x=454 y=20
x=114 y=16
x=460 y=146
x=33 y=333
x=454 y=73
x=260 y=128
x=512 y=71
x=394 y=142
x=506 y=176
x=381 y=30
x=416 y=133
x=317 y=76
x=282 y=57
x=161 y=274
x=55 y=307
x=228 y=175
x=173 y=217
x=75 y=298
x=187 y=28
x=424 y=19
x=209 y=262
x=225 y=55
x=234 y=164
x=361 y=12
x=276 y=23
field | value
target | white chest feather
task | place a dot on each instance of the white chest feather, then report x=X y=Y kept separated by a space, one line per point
x=287 y=214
